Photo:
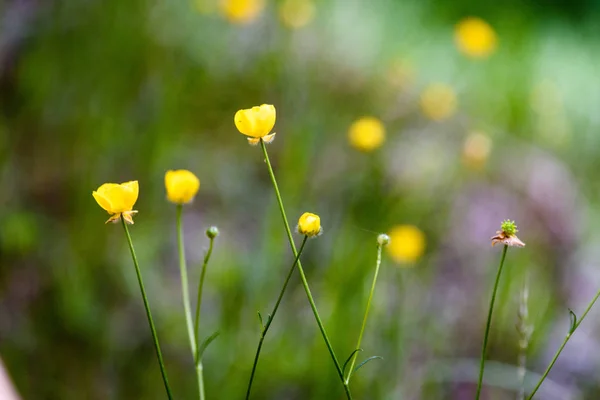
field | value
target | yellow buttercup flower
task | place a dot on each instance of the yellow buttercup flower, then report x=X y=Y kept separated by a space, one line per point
x=118 y=200
x=296 y=14
x=309 y=224
x=256 y=122
x=438 y=101
x=475 y=37
x=366 y=134
x=242 y=11
x=182 y=185
x=407 y=243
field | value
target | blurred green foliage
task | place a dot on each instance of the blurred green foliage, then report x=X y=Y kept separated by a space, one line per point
x=94 y=92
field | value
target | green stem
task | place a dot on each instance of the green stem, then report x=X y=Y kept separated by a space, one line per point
x=198 y=361
x=301 y=271
x=564 y=343
x=184 y=282
x=489 y=323
x=148 y=314
x=186 y=297
x=271 y=316
x=364 y=323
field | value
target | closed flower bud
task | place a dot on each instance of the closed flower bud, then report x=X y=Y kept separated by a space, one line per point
x=212 y=232
x=182 y=185
x=257 y=123
x=383 y=239
x=118 y=200
x=309 y=224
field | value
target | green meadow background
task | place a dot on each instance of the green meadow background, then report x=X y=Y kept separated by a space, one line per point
x=112 y=91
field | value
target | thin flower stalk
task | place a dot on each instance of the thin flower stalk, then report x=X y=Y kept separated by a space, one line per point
x=271 y=316
x=212 y=234
x=148 y=313
x=524 y=330
x=489 y=323
x=301 y=270
x=380 y=244
x=186 y=298
x=574 y=325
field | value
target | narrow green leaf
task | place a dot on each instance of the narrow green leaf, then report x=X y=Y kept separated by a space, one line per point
x=366 y=361
x=205 y=344
x=348 y=360
x=261 y=320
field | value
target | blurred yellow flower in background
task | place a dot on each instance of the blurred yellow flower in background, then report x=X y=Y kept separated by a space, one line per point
x=366 y=134
x=118 y=200
x=242 y=11
x=309 y=224
x=476 y=150
x=438 y=101
x=257 y=123
x=407 y=244
x=400 y=73
x=475 y=38
x=182 y=185
x=296 y=14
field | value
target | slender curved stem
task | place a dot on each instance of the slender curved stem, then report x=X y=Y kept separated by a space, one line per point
x=489 y=323
x=271 y=316
x=186 y=298
x=364 y=323
x=198 y=361
x=564 y=343
x=301 y=271
x=148 y=313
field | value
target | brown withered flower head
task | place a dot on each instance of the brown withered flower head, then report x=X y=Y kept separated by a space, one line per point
x=507 y=235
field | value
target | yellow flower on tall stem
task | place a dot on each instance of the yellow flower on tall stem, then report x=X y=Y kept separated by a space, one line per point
x=118 y=200
x=257 y=123
x=182 y=185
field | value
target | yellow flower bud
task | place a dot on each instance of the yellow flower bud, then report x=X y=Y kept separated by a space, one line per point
x=407 y=243
x=475 y=38
x=366 y=134
x=118 y=200
x=242 y=11
x=309 y=224
x=182 y=185
x=256 y=122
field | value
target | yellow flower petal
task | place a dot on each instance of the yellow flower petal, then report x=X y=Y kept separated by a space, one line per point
x=182 y=185
x=102 y=200
x=257 y=121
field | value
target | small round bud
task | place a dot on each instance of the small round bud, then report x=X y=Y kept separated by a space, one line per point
x=212 y=232
x=309 y=224
x=383 y=239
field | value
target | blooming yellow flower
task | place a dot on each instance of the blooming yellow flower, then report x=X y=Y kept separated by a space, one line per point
x=296 y=14
x=182 y=185
x=118 y=200
x=366 y=134
x=475 y=38
x=242 y=11
x=257 y=123
x=438 y=101
x=309 y=224
x=407 y=243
